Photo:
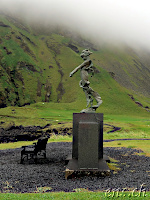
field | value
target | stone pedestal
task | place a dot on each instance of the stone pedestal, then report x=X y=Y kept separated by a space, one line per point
x=87 y=146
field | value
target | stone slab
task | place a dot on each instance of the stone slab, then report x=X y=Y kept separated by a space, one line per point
x=88 y=143
x=87 y=118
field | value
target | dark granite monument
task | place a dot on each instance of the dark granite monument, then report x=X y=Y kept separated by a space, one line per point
x=87 y=146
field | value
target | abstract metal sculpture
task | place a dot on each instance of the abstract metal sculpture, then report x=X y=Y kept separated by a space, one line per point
x=85 y=69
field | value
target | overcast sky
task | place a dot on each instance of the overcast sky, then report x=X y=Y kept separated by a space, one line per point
x=104 y=20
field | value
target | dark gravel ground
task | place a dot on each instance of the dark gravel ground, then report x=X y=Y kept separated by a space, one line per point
x=16 y=177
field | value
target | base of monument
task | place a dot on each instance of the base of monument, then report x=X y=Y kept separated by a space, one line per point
x=72 y=169
x=69 y=157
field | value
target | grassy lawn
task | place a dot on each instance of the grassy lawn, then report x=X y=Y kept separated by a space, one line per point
x=136 y=144
x=13 y=145
x=54 y=113
x=81 y=195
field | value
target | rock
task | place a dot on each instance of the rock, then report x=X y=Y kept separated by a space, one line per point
x=3 y=25
x=74 y=48
x=19 y=133
x=138 y=103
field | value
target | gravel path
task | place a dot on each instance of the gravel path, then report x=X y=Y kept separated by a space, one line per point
x=16 y=177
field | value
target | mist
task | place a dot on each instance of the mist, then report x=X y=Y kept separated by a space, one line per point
x=111 y=21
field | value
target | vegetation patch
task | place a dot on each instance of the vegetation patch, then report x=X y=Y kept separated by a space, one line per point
x=114 y=167
x=78 y=195
x=139 y=144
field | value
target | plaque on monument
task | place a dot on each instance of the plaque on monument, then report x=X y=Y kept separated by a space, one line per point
x=88 y=145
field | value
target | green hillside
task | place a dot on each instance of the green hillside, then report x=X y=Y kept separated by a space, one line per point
x=35 y=66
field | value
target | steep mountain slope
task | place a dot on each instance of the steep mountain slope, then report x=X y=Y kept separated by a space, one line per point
x=131 y=68
x=35 y=66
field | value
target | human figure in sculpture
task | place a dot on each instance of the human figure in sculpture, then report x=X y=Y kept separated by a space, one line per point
x=85 y=68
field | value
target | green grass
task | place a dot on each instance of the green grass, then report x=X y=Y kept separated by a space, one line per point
x=53 y=138
x=127 y=134
x=132 y=126
x=136 y=144
x=137 y=124
x=83 y=194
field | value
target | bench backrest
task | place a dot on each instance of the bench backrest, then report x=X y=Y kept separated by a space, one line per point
x=41 y=144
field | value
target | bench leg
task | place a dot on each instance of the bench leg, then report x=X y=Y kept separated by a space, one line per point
x=44 y=154
x=23 y=157
x=35 y=158
x=21 y=161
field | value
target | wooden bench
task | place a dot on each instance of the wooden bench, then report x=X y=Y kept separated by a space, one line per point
x=31 y=152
